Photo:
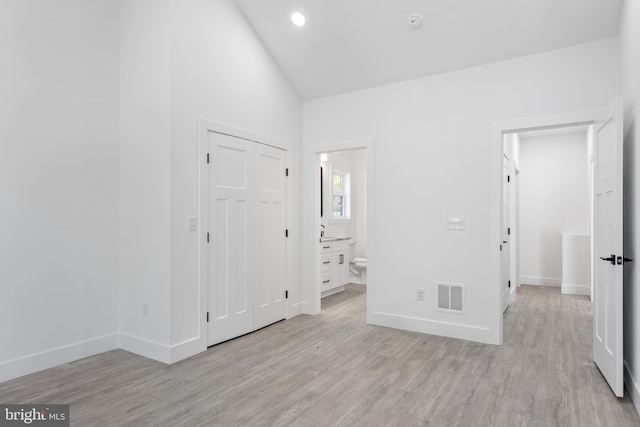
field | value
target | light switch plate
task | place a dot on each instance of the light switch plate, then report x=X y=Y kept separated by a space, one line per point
x=455 y=223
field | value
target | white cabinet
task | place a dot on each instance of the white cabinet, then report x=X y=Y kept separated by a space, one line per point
x=340 y=263
x=325 y=266
x=334 y=268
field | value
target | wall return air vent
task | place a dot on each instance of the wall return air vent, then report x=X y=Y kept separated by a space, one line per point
x=451 y=297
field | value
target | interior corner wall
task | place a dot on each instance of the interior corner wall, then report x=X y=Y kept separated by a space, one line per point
x=221 y=71
x=554 y=199
x=630 y=73
x=58 y=182
x=432 y=161
x=144 y=178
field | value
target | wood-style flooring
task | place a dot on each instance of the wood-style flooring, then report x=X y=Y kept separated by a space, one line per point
x=334 y=370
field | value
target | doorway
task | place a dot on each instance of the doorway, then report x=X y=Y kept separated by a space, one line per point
x=606 y=209
x=363 y=239
x=547 y=221
x=343 y=222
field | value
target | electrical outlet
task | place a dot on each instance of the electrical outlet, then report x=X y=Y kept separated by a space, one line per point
x=420 y=294
x=455 y=223
x=145 y=309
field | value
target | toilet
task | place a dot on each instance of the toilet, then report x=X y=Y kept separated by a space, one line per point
x=358 y=267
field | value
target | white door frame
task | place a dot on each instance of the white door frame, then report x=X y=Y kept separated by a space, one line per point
x=498 y=129
x=204 y=127
x=311 y=212
x=506 y=252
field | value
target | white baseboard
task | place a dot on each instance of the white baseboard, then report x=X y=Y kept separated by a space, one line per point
x=295 y=310
x=57 y=356
x=632 y=386
x=540 y=281
x=434 y=327
x=308 y=308
x=332 y=291
x=143 y=347
x=570 y=289
x=186 y=349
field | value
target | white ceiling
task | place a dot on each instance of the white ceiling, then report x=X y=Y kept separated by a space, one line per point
x=349 y=45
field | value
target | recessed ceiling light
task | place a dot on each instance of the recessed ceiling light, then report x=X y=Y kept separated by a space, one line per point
x=298 y=19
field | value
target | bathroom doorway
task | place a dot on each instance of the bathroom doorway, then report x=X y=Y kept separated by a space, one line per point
x=343 y=223
x=342 y=243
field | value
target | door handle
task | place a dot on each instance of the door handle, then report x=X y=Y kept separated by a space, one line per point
x=611 y=259
x=505 y=242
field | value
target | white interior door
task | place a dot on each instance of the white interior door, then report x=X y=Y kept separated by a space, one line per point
x=513 y=234
x=608 y=257
x=231 y=233
x=505 y=247
x=270 y=240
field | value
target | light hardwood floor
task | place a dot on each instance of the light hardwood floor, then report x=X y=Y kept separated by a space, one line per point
x=333 y=369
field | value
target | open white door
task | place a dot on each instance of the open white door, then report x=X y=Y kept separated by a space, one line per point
x=608 y=257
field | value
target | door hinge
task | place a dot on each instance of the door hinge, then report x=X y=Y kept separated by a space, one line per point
x=509 y=283
x=286 y=172
x=508 y=178
x=500 y=248
x=207 y=157
x=286 y=233
x=207 y=237
x=286 y=294
x=207 y=317
x=509 y=231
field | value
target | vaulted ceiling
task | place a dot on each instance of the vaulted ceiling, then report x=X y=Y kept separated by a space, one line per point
x=348 y=45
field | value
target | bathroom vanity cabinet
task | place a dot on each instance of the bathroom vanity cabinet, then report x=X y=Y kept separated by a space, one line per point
x=334 y=268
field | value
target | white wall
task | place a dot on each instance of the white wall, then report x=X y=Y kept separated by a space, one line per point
x=144 y=175
x=359 y=185
x=630 y=73
x=183 y=60
x=554 y=199
x=221 y=71
x=433 y=160
x=58 y=182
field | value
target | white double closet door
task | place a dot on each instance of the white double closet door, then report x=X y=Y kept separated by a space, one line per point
x=247 y=247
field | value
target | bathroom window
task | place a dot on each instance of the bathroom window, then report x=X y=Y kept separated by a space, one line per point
x=340 y=196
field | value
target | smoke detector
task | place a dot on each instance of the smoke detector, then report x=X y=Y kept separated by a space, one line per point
x=414 y=21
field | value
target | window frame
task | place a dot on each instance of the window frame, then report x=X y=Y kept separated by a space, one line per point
x=345 y=193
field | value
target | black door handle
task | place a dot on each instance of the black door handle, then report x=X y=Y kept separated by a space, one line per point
x=611 y=259
x=627 y=259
